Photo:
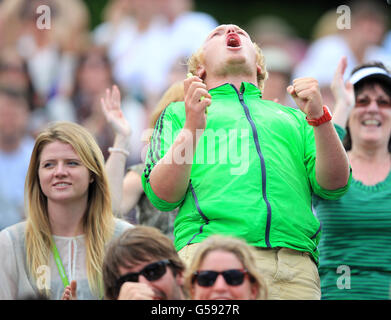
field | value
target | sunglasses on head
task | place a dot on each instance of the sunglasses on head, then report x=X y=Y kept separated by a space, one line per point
x=207 y=278
x=152 y=272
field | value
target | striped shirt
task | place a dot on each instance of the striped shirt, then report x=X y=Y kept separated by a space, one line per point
x=355 y=246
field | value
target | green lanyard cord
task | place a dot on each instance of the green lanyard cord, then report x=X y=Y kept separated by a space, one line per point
x=60 y=266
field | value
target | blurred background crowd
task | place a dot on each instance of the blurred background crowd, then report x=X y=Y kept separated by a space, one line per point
x=61 y=73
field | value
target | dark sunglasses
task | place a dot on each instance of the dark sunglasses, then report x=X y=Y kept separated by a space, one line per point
x=207 y=278
x=152 y=272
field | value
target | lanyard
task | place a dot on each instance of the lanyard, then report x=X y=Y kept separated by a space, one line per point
x=60 y=266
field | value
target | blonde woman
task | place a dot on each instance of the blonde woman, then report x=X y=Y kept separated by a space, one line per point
x=224 y=268
x=69 y=221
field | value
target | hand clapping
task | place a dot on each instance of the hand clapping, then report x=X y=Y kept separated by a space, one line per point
x=111 y=106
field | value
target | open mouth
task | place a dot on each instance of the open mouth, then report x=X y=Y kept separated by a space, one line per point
x=61 y=184
x=233 y=40
x=371 y=122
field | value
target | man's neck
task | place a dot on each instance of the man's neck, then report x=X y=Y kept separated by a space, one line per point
x=234 y=80
x=66 y=219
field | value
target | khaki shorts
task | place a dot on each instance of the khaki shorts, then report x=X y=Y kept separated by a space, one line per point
x=187 y=253
x=289 y=274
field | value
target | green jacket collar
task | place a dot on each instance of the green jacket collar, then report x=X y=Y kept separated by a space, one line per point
x=246 y=88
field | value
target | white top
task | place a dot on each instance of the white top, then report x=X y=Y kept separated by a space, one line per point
x=16 y=282
x=142 y=61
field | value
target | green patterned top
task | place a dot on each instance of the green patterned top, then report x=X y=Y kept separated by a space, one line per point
x=355 y=247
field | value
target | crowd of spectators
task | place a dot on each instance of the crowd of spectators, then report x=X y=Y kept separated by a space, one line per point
x=142 y=46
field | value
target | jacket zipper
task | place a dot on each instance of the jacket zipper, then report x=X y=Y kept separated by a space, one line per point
x=204 y=217
x=263 y=167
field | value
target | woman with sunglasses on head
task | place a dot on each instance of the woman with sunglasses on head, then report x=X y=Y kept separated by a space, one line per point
x=355 y=262
x=58 y=252
x=223 y=268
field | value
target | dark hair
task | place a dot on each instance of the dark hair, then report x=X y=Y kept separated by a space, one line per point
x=28 y=9
x=14 y=94
x=83 y=103
x=30 y=93
x=385 y=85
x=134 y=246
x=358 y=88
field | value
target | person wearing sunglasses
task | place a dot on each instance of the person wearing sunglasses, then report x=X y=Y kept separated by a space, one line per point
x=142 y=264
x=224 y=268
x=354 y=260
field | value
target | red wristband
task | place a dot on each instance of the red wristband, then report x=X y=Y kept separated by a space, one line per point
x=325 y=118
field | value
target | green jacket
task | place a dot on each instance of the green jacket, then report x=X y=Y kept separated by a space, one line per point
x=253 y=173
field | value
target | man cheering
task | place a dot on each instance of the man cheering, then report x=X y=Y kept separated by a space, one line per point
x=285 y=156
